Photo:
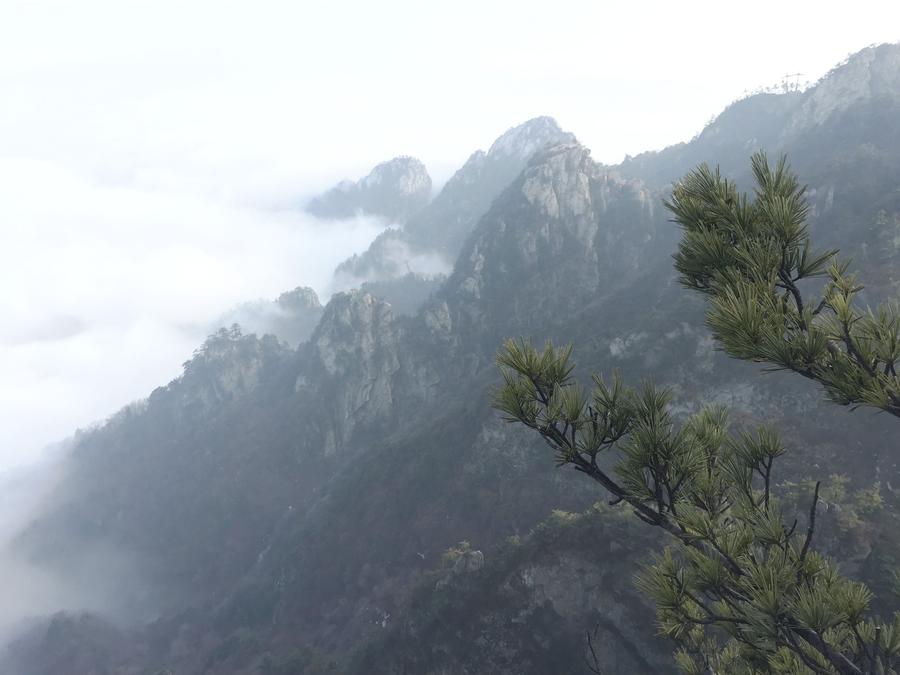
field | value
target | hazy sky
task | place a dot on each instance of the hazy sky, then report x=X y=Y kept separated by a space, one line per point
x=151 y=152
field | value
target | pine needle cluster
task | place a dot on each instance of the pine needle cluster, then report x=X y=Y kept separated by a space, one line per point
x=754 y=259
x=741 y=590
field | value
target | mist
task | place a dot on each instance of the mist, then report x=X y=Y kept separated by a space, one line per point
x=109 y=288
x=153 y=157
x=155 y=161
x=99 y=578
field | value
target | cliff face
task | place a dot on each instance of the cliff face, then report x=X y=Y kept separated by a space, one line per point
x=305 y=495
x=850 y=106
x=565 y=231
x=395 y=190
x=869 y=76
x=355 y=353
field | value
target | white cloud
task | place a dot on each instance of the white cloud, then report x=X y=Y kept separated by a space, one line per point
x=107 y=289
x=151 y=152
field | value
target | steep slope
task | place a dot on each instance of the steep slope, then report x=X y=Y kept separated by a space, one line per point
x=346 y=451
x=449 y=478
x=468 y=194
x=847 y=112
x=567 y=251
x=871 y=76
x=841 y=136
x=745 y=126
x=564 y=232
x=528 y=607
x=146 y=481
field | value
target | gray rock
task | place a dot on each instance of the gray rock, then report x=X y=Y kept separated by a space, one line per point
x=394 y=190
x=432 y=238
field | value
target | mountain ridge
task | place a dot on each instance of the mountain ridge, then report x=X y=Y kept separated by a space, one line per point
x=322 y=473
x=429 y=241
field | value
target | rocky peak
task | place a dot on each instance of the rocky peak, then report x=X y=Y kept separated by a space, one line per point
x=434 y=236
x=355 y=330
x=557 y=181
x=527 y=138
x=873 y=73
x=227 y=366
x=300 y=299
x=565 y=230
x=406 y=175
x=552 y=196
x=451 y=217
x=394 y=190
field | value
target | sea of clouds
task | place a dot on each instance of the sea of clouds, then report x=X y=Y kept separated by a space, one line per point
x=106 y=288
x=153 y=156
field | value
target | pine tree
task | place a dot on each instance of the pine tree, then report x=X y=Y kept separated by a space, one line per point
x=753 y=257
x=739 y=590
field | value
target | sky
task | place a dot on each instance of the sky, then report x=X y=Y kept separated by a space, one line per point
x=154 y=155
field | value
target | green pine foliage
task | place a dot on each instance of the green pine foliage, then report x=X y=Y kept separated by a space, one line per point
x=742 y=589
x=753 y=257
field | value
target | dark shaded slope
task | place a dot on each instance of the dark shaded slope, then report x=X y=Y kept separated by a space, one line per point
x=527 y=609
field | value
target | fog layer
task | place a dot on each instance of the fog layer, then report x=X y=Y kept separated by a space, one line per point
x=144 y=146
x=107 y=288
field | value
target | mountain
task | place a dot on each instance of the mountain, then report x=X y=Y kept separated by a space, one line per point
x=304 y=507
x=291 y=317
x=394 y=190
x=431 y=240
x=841 y=137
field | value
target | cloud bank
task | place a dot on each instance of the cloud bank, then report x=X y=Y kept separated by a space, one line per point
x=151 y=152
x=108 y=287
